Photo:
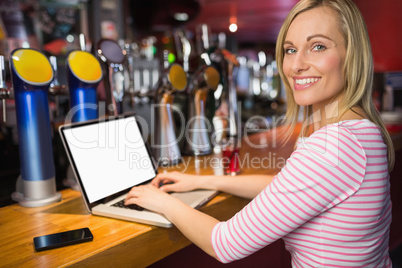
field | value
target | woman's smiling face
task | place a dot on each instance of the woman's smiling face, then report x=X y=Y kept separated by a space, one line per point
x=314 y=57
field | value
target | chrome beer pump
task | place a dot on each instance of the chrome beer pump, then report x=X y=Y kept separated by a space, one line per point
x=232 y=144
x=165 y=144
x=5 y=93
x=197 y=141
x=201 y=82
x=234 y=128
x=56 y=89
x=31 y=75
x=116 y=78
x=227 y=63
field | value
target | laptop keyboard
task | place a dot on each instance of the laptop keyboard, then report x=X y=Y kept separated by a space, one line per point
x=120 y=204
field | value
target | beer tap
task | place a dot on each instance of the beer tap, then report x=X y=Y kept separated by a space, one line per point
x=84 y=73
x=31 y=75
x=234 y=127
x=56 y=89
x=83 y=43
x=230 y=147
x=226 y=62
x=165 y=144
x=197 y=142
x=116 y=78
x=186 y=50
x=83 y=76
x=4 y=91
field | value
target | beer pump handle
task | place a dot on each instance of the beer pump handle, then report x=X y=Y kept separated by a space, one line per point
x=4 y=91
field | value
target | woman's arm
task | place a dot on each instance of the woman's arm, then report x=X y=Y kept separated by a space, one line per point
x=195 y=225
x=247 y=186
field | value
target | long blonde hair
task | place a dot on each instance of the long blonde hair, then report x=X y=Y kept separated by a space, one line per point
x=358 y=68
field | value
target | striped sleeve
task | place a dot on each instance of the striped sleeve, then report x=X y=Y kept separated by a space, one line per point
x=324 y=170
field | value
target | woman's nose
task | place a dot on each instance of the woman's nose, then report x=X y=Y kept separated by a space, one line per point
x=300 y=63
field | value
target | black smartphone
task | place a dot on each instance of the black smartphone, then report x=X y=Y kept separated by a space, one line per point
x=62 y=239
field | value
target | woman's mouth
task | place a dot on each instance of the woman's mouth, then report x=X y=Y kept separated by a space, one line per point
x=302 y=83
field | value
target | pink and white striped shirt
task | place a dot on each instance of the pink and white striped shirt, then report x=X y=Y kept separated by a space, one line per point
x=330 y=203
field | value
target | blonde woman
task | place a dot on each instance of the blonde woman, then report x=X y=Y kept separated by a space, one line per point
x=331 y=202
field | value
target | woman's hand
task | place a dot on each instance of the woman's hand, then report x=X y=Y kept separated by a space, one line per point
x=149 y=197
x=176 y=182
x=194 y=224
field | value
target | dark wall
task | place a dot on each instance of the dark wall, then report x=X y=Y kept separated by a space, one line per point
x=384 y=21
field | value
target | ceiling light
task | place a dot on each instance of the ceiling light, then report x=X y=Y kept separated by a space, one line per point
x=181 y=16
x=233 y=27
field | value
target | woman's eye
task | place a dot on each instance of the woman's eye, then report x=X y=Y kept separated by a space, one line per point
x=319 y=48
x=290 y=50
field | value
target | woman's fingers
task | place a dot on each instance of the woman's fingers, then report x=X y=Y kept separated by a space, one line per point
x=134 y=193
x=162 y=178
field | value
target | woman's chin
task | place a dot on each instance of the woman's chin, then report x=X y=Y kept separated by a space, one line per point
x=303 y=102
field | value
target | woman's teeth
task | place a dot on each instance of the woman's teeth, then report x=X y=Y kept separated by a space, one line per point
x=306 y=81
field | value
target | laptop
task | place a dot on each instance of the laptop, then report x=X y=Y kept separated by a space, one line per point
x=109 y=156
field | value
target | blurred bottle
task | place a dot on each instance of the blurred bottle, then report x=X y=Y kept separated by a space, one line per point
x=388 y=98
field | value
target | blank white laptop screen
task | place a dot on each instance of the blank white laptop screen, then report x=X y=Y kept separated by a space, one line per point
x=109 y=156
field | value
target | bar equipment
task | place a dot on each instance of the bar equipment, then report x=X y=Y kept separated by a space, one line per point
x=55 y=85
x=56 y=89
x=184 y=49
x=4 y=91
x=116 y=78
x=83 y=75
x=165 y=144
x=145 y=69
x=226 y=63
x=197 y=141
x=231 y=61
x=230 y=154
x=130 y=54
x=234 y=139
x=31 y=75
x=203 y=38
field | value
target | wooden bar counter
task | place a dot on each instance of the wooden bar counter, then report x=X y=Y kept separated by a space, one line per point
x=120 y=243
x=117 y=242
